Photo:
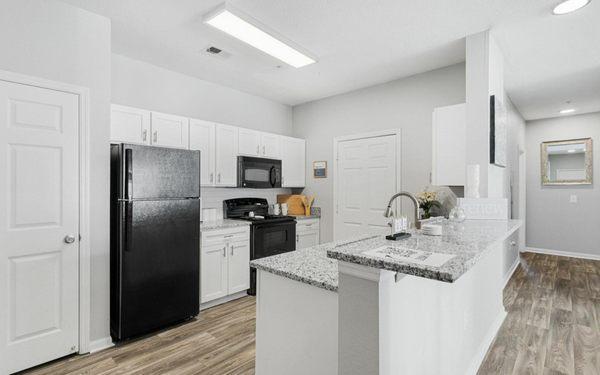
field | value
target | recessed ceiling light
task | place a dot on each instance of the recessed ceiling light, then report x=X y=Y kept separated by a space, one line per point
x=243 y=28
x=569 y=6
x=565 y=111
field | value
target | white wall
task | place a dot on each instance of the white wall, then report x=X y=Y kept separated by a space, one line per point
x=52 y=40
x=406 y=103
x=552 y=222
x=140 y=84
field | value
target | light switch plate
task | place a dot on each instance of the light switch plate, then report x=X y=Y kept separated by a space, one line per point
x=573 y=198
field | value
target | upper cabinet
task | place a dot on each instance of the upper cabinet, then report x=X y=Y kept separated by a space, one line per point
x=169 y=130
x=226 y=146
x=449 y=142
x=259 y=144
x=249 y=142
x=270 y=145
x=202 y=138
x=293 y=164
x=129 y=125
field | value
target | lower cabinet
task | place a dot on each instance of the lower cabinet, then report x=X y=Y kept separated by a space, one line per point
x=307 y=233
x=224 y=263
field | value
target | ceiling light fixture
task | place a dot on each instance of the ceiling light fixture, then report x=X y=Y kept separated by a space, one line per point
x=565 y=111
x=248 y=31
x=569 y=6
x=570 y=151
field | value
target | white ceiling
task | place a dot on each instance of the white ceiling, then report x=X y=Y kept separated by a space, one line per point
x=360 y=43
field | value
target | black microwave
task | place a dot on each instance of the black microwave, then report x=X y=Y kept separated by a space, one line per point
x=258 y=173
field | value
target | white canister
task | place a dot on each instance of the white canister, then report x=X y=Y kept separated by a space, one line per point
x=276 y=209
x=284 y=209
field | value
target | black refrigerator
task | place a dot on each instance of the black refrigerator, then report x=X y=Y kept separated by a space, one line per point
x=154 y=238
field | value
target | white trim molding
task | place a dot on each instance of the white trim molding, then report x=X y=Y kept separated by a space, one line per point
x=561 y=253
x=101 y=344
x=510 y=272
x=84 y=197
x=486 y=344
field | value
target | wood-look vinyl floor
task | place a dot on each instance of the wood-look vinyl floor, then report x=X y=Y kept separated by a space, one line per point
x=552 y=328
x=553 y=321
x=220 y=341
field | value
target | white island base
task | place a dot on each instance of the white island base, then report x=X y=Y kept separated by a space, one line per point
x=379 y=322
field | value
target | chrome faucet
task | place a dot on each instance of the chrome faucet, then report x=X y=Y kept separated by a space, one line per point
x=389 y=212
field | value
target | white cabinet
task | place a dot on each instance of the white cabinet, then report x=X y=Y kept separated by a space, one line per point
x=224 y=263
x=449 y=142
x=202 y=138
x=249 y=142
x=270 y=145
x=307 y=233
x=293 y=164
x=226 y=151
x=259 y=144
x=129 y=125
x=169 y=130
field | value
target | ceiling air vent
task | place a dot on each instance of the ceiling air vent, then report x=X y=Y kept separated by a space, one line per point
x=216 y=52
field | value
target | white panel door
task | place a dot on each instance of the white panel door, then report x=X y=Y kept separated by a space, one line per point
x=39 y=206
x=366 y=173
x=293 y=163
x=202 y=138
x=226 y=155
x=249 y=142
x=270 y=146
x=169 y=130
x=239 y=266
x=129 y=125
x=213 y=271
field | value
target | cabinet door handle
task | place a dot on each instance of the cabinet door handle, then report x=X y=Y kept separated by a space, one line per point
x=264 y=150
x=257 y=150
x=155 y=136
x=297 y=237
x=144 y=135
x=211 y=177
x=231 y=249
x=219 y=177
x=224 y=251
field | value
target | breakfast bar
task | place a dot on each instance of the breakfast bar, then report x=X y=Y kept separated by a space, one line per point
x=367 y=305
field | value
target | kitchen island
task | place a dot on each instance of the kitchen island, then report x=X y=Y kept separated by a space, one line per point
x=423 y=305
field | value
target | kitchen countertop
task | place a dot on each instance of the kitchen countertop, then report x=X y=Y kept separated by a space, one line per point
x=222 y=224
x=464 y=242
x=303 y=217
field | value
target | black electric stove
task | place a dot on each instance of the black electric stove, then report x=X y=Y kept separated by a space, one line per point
x=269 y=234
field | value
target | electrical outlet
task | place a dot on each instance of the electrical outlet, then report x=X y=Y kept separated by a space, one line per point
x=573 y=199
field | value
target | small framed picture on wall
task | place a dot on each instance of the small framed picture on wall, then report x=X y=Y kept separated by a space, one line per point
x=319 y=169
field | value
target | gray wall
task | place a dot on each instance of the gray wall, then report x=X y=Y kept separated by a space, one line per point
x=406 y=104
x=140 y=84
x=552 y=222
x=53 y=40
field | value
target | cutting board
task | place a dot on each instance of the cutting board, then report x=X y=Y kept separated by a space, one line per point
x=294 y=202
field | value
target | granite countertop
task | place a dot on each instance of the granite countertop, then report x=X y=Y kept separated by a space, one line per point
x=222 y=224
x=310 y=265
x=443 y=258
x=464 y=243
x=303 y=217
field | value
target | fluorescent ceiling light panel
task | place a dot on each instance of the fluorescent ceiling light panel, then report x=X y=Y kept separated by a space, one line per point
x=243 y=30
x=569 y=6
x=565 y=111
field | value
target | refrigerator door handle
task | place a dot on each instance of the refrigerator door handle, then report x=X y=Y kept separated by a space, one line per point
x=128 y=226
x=129 y=173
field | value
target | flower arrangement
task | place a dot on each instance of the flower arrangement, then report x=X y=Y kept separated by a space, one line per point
x=427 y=201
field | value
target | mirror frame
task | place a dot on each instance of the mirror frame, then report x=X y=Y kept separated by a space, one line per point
x=588 y=162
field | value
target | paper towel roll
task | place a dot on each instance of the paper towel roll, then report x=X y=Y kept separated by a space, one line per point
x=472 y=188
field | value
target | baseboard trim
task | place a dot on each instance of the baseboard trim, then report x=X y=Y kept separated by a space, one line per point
x=486 y=344
x=562 y=253
x=512 y=270
x=222 y=300
x=100 y=344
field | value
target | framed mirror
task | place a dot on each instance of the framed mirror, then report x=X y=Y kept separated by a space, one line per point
x=567 y=162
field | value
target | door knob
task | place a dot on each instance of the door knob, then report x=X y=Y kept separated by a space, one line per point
x=69 y=238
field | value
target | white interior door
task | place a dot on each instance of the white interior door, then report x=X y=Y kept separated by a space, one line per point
x=39 y=202
x=366 y=173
